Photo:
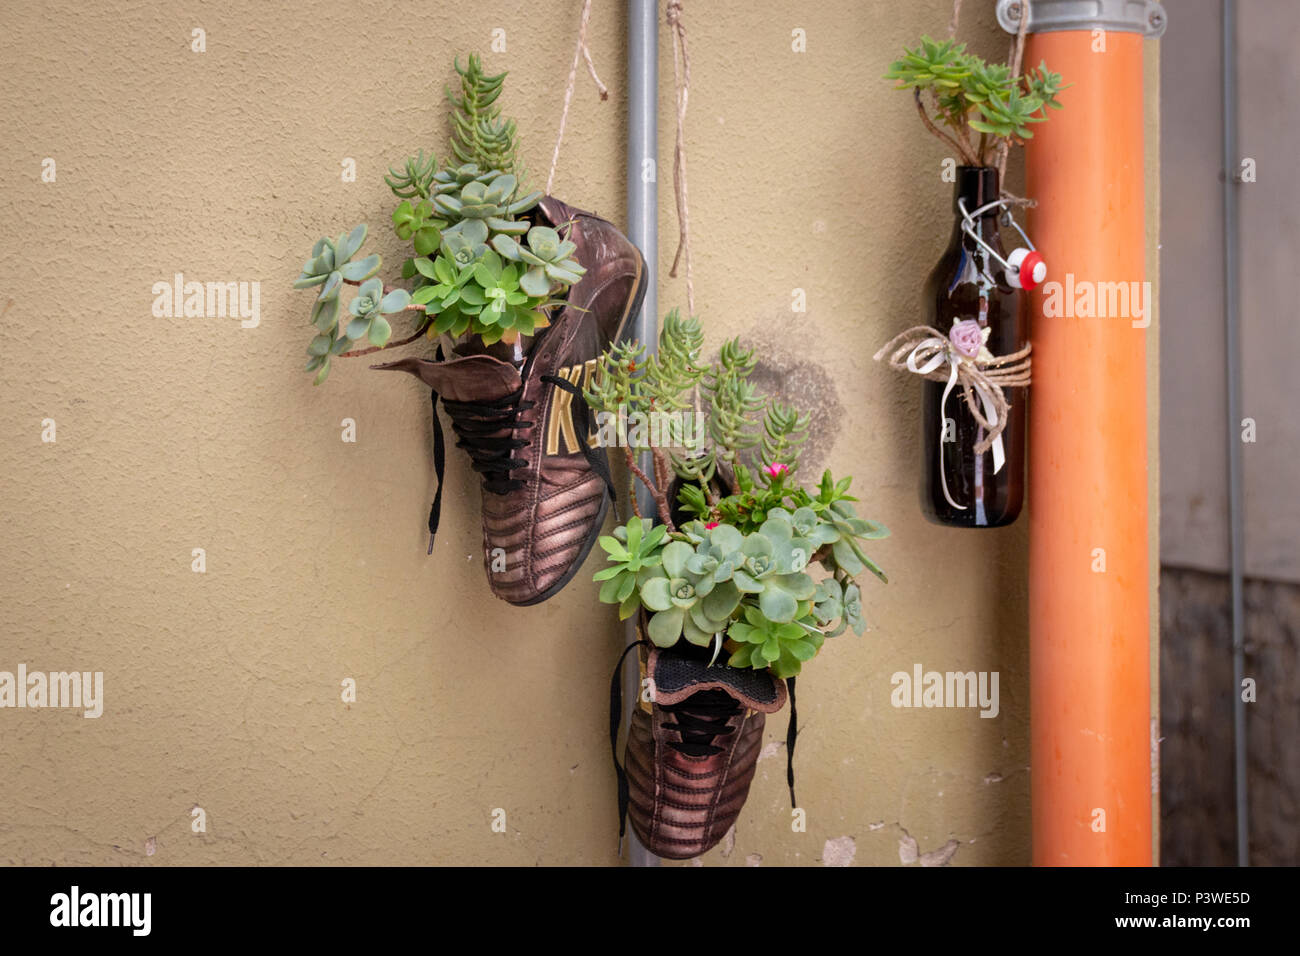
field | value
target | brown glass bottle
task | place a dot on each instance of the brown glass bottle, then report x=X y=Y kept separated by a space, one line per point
x=968 y=283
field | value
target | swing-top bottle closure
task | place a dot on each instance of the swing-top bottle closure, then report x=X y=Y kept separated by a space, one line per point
x=1025 y=268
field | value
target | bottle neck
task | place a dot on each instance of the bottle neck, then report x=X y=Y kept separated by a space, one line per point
x=977 y=186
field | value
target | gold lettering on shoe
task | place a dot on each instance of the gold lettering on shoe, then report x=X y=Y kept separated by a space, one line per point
x=559 y=418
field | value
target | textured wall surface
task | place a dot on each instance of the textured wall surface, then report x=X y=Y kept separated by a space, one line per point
x=1194 y=496
x=222 y=689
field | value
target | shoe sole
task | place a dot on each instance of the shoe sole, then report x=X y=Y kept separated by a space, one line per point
x=633 y=307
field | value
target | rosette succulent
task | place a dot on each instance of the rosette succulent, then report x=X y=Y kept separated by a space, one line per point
x=764 y=643
x=329 y=267
x=369 y=309
x=634 y=551
x=549 y=258
x=676 y=594
x=492 y=203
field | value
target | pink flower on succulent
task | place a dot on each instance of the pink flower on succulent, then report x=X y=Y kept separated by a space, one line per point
x=967 y=337
x=711 y=525
x=776 y=470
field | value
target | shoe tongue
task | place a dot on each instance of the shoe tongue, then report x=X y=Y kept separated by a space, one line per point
x=477 y=378
x=678 y=675
x=555 y=211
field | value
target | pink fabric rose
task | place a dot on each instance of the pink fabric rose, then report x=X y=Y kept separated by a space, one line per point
x=967 y=337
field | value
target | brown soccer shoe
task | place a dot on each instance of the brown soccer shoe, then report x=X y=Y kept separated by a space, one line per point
x=691 y=759
x=546 y=489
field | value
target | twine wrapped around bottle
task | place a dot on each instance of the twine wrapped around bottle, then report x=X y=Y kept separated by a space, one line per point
x=924 y=350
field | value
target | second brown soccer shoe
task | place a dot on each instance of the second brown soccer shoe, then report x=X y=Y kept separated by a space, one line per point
x=691 y=759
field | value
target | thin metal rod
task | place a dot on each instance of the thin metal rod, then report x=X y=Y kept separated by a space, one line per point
x=643 y=230
x=1232 y=356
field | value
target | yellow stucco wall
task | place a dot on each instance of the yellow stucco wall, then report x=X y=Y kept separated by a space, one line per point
x=222 y=689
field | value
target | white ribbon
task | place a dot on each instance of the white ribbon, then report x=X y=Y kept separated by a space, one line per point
x=943 y=351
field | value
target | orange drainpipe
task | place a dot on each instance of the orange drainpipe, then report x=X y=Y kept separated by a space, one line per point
x=1088 y=571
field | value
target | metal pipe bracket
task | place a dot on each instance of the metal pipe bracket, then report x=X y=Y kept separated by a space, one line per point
x=1147 y=17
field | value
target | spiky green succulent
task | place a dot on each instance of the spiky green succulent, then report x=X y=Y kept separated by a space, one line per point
x=784 y=432
x=415 y=179
x=479 y=134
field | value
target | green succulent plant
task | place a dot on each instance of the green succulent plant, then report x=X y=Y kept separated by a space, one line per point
x=416 y=179
x=968 y=94
x=461 y=220
x=369 y=309
x=548 y=257
x=479 y=134
x=846 y=548
x=766 y=570
x=331 y=256
x=494 y=203
x=676 y=594
x=329 y=267
x=418 y=224
x=835 y=601
x=784 y=432
x=781 y=646
x=452 y=179
x=634 y=551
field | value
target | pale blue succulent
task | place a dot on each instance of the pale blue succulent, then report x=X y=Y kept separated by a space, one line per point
x=548 y=257
x=838 y=604
x=847 y=552
x=493 y=203
x=676 y=596
x=369 y=309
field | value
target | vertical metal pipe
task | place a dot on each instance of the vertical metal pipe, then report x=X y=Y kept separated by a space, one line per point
x=643 y=230
x=1232 y=355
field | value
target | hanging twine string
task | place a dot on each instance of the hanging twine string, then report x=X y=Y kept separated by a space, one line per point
x=682 y=78
x=1017 y=54
x=580 y=53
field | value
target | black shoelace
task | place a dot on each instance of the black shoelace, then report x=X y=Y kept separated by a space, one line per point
x=707 y=719
x=479 y=425
x=700 y=718
x=487 y=431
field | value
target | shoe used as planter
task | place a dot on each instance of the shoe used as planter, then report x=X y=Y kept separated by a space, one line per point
x=691 y=758
x=546 y=490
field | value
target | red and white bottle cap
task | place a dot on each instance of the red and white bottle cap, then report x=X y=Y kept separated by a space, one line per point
x=1028 y=270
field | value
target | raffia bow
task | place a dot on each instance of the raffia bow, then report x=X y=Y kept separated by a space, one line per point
x=924 y=350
